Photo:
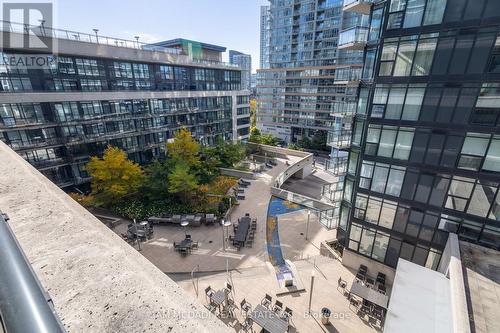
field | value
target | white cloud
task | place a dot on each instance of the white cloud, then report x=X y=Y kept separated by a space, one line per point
x=143 y=37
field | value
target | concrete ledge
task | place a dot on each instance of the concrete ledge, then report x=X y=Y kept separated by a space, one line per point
x=97 y=281
x=237 y=173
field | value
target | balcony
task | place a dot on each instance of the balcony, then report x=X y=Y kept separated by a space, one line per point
x=358 y=6
x=353 y=38
x=342 y=109
x=339 y=139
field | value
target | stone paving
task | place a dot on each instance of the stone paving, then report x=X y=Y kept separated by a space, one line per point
x=253 y=283
x=210 y=257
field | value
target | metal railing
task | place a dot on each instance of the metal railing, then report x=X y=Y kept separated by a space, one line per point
x=45 y=31
x=24 y=304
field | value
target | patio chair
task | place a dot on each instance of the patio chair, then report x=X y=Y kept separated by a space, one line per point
x=188 y=236
x=209 y=292
x=240 y=197
x=353 y=301
x=381 y=289
x=362 y=268
x=228 y=288
x=249 y=243
x=341 y=284
x=381 y=278
x=245 y=306
x=267 y=301
x=287 y=314
x=360 y=276
x=366 y=307
x=369 y=282
x=211 y=307
x=253 y=227
x=230 y=307
x=278 y=306
x=194 y=245
x=247 y=325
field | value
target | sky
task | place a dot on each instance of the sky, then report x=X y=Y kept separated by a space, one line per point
x=234 y=24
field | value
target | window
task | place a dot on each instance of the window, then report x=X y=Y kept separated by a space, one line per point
x=373 y=210
x=482 y=196
x=403 y=143
x=380 y=246
x=395 y=181
x=395 y=102
x=473 y=151
x=387 y=214
x=434 y=12
x=492 y=160
x=459 y=193
x=366 y=244
x=424 y=56
x=381 y=178
x=404 y=58
x=387 y=139
x=414 y=13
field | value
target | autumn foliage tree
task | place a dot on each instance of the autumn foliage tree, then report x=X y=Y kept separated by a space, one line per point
x=114 y=176
x=184 y=148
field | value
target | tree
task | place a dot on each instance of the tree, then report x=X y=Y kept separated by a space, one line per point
x=253 y=112
x=114 y=176
x=156 y=183
x=182 y=182
x=268 y=139
x=231 y=153
x=209 y=165
x=184 y=148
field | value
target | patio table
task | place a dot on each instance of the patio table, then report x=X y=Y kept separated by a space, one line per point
x=372 y=295
x=240 y=235
x=268 y=320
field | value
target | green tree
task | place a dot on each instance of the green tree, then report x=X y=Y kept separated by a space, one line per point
x=114 y=176
x=182 y=182
x=209 y=165
x=231 y=153
x=268 y=139
x=184 y=148
x=253 y=112
x=156 y=183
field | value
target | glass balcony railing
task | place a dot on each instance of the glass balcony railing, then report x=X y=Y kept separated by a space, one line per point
x=344 y=108
x=339 y=139
x=353 y=38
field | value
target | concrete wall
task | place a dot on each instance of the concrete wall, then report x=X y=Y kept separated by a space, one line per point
x=237 y=173
x=97 y=281
x=352 y=260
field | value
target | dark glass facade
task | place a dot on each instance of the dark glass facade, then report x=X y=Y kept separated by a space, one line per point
x=425 y=157
x=56 y=118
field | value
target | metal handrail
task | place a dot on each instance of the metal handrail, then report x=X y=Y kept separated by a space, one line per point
x=45 y=31
x=24 y=305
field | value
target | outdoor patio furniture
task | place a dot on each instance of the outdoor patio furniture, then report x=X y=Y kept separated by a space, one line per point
x=247 y=325
x=241 y=234
x=267 y=301
x=240 y=197
x=278 y=306
x=211 y=307
x=245 y=306
x=228 y=288
x=353 y=301
x=369 y=282
x=188 y=236
x=194 y=245
x=210 y=219
x=372 y=295
x=268 y=320
x=209 y=291
x=287 y=314
x=381 y=278
x=240 y=190
x=249 y=243
x=381 y=289
x=176 y=219
x=363 y=268
x=341 y=284
x=360 y=276
x=196 y=221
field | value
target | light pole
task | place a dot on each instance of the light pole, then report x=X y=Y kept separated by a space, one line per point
x=224 y=225
x=137 y=235
x=96 y=37
x=184 y=225
x=307 y=225
x=137 y=40
x=311 y=291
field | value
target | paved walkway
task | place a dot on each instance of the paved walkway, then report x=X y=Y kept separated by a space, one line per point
x=253 y=283
x=211 y=257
